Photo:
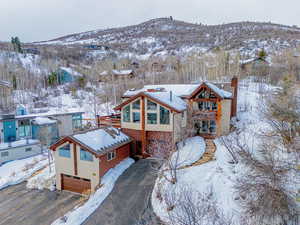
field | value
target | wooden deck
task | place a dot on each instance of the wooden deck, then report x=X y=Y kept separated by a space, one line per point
x=111 y=120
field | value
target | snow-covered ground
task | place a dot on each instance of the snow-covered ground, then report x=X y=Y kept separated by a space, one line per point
x=215 y=179
x=81 y=213
x=44 y=179
x=17 y=171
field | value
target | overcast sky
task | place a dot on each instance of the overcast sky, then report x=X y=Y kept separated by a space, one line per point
x=36 y=20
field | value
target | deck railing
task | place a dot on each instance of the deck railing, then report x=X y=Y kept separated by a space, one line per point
x=111 y=120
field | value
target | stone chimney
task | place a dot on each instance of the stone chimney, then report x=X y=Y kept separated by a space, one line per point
x=234 y=85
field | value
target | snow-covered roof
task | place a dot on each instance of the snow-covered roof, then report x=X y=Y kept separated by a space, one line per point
x=117 y=72
x=101 y=139
x=179 y=90
x=169 y=99
x=71 y=71
x=222 y=93
x=5 y=83
x=43 y=121
x=47 y=114
x=18 y=143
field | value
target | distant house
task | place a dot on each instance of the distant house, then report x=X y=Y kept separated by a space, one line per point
x=20 y=135
x=116 y=75
x=67 y=75
x=255 y=66
x=33 y=51
x=82 y=159
x=6 y=89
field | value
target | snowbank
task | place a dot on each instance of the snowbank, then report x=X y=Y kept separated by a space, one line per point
x=80 y=214
x=190 y=151
x=45 y=179
x=18 y=171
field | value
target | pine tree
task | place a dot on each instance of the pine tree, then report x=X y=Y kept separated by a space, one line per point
x=262 y=54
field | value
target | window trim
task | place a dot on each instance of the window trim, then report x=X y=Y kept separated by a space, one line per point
x=69 y=150
x=82 y=151
x=111 y=155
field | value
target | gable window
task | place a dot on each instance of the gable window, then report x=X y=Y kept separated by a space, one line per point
x=65 y=151
x=111 y=155
x=151 y=105
x=136 y=104
x=126 y=114
x=214 y=106
x=24 y=128
x=202 y=93
x=164 y=115
x=152 y=118
x=136 y=117
x=4 y=154
x=86 y=156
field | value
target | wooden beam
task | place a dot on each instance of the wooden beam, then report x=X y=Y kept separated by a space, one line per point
x=144 y=141
x=75 y=159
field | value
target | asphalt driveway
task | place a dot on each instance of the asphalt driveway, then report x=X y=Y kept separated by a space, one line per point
x=22 y=206
x=129 y=202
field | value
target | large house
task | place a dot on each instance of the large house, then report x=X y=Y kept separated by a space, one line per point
x=161 y=115
x=21 y=135
x=82 y=159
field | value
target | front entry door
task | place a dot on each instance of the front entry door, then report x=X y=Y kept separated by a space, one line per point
x=9 y=130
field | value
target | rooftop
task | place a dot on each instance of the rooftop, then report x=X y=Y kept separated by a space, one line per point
x=102 y=139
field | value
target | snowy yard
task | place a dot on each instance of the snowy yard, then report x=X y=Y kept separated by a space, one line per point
x=17 y=171
x=81 y=213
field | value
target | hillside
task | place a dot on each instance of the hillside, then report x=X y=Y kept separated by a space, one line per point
x=167 y=36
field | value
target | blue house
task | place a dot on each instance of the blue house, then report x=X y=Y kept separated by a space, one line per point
x=67 y=75
x=21 y=135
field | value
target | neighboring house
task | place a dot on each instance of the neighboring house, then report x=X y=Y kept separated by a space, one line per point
x=6 y=89
x=255 y=66
x=165 y=113
x=67 y=75
x=82 y=159
x=21 y=135
x=116 y=75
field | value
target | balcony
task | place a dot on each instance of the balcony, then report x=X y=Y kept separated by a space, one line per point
x=111 y=120
x=205 y=115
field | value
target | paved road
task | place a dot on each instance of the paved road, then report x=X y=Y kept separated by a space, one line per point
x=129 y=202
x=21 y=206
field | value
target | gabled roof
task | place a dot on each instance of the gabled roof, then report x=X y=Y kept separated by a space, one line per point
x=180 y=90
x=166 y=99
x=97 y=141
x=220 y=93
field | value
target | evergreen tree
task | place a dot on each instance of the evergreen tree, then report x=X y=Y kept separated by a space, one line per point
x=262 y=54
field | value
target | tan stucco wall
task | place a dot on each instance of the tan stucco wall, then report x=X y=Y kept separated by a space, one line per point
x=225 y=119
x=85 y=169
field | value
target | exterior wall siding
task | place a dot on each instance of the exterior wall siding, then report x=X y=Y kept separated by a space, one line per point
x=225 y=118
x=85 y=169
x=20 y=152
x=121 y=154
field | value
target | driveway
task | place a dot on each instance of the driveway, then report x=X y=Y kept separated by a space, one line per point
x=129 y=202
x=22 y=206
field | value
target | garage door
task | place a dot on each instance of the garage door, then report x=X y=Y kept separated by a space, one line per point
x=75 y=184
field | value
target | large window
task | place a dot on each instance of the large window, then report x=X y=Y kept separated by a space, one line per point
x=207 y=106
x=24 y=128
x=126 y=114
x=152 y=118
x=76 y=122
x=207 y=126
x=65 y=151
x=136 y=117
x=151 y=105
x=85 y=155
x=136 y=104
x=164 y=115
x=111 y=155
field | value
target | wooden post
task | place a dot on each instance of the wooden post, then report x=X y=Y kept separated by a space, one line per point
x=75 y=160
x=144 y=141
